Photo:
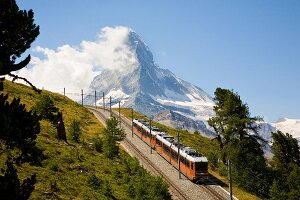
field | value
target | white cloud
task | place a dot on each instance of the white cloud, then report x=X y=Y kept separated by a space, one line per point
x=74 y=68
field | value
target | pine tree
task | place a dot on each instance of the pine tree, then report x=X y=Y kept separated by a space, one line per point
x=286 y=150
x=18 y=31
x=18 y=127
x=10 y=186
x=46 y=109
x=113 y=133
x=232 y=118
x=286 y=165
x=239 y=141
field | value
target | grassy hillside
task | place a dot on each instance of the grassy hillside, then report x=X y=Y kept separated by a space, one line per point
x=76 y=170
x=202 y=144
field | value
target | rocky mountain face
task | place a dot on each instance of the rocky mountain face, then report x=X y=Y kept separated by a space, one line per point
x=157 y=92
x=178 y=121
x=150 y=89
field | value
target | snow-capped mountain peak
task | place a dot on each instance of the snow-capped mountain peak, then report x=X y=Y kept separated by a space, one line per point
x=151 y=89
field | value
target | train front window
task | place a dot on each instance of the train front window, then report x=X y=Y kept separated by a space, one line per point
x=201 y=167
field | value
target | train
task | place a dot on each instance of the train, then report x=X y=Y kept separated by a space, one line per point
x=192 y=164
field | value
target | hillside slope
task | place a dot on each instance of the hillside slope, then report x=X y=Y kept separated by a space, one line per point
x=77 y=170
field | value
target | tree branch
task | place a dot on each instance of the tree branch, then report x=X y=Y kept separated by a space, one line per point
x=15 y=77
x=21 y=65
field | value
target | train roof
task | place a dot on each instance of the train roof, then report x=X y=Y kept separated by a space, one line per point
x=168 y=140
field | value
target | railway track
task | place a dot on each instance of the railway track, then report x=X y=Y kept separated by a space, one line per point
x=179 y=193
x=212 y=192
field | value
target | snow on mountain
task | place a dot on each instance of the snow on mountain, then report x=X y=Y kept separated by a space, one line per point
x=291 y=126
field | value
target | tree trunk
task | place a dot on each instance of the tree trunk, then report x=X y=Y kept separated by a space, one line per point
x=61 y=131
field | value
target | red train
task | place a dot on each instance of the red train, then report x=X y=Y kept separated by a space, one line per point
x=192 y=164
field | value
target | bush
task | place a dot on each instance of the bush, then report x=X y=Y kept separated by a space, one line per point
x=93 y=181
x=54 y=166
x=98 y=144
x=223 y=170
x=75 y=131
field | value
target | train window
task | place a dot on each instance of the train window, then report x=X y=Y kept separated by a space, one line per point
x=166 y=149
x=174 y=155
x=182 y=159
x=158 y=142
x=201 y=167
x=192 y=166
x=188 y=163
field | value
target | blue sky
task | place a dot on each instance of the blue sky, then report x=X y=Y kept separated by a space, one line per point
x=252 y=47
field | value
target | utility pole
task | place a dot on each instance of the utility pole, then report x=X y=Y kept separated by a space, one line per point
x=110 y=105
x=150 y=135
x=179 y=173
x=120 y=112
x=103 y=102
x=95 y=99
x=64 y=91
x=131 y=122
x=230 y=179
x=82 y=97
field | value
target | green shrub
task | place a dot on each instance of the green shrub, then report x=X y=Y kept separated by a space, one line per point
x=54 y=167
x=98 y=144
x=93 y=181
x=75 y=131
x=223 y=170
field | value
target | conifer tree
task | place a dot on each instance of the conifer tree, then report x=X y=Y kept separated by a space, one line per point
x=18 y=31
x=113 y=133
x=286 y=165
x=46 y=109
x=239 y=141
x=232 y=118
x=286 y=150
x=10 y=186
x=18 y=127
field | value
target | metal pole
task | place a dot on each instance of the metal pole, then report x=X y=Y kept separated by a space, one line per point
x=82 y=97
x=131 y=122
x=150 y=135
x=120 y=112
x=103 y=102
x=95 y=99
x=179 y=173
x=230 y=179
x=110 y=105
x=64 y=91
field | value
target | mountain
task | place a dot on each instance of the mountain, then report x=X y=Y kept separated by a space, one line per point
x=157 y=92
x=178 y=121
x=150 y=89
x=291 y=126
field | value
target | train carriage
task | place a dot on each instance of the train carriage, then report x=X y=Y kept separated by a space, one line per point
x=193 y=165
